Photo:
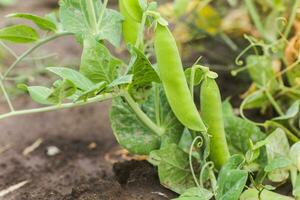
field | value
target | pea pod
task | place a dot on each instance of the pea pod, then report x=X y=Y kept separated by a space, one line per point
x=174 y=81
x=132 y=14
x=211 y=111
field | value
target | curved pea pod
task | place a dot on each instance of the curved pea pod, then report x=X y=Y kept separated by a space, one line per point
x=133 y=9
x=211 y=111
x=130 y=26
x=174 y=81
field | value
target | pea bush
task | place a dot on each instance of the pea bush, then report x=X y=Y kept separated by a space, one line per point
x=201 y=155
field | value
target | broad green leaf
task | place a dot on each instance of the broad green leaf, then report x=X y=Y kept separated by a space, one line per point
x=261 y=71
x=257 y=99
x=19 y=34
x=97 y=63
x=61 y=90
x=294 y=154
x=129 y=131
x=75 y=17
x=277 y=146
x=173 y=168
x=111 y=27
x=41 y=22
x=133 y=135
x=77 y=78
x=253 y=194
x=143 y=74
x=291 y=112
x=279 y=162
x=293 y=75
x=40 y=94
x=195 y=193
x=239 y=131
x=232 y=179
x=141 y=68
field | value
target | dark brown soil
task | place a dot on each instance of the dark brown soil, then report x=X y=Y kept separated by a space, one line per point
x=88 y=166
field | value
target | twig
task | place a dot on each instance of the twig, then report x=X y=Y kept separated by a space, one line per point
x=12 y=188
x=32 y=147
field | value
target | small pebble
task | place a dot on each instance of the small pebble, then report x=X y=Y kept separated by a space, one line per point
x=52 y=151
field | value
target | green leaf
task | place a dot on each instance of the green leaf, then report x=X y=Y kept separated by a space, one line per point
x=278 y=163
x=77 y=78
x=41 y=22
x=294 y=154
x=75 y=17
x=62 y=90
x=97 y=63
x=198 y=75
x=253 y=194
x=143 y=74
x=173 y=168
x=141 y=68
x=231 y=180
x=133 y=135
x=40 y=94
x=111 y=27
x=195 y=193
x=130 y=132
x=239 y=131
x=261 y=71
x=291 y=112
x=19 y=34
x=257 y=99
x=122 y=80
x=277 y=146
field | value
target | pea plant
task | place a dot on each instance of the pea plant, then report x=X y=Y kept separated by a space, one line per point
x=206 y=154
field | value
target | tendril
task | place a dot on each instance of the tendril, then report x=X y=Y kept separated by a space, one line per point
x=199 y=144
x=209 y=165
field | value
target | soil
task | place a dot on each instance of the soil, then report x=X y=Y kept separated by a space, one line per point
x=89 y=165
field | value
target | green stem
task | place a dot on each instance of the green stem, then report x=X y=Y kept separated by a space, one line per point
x=292 y=18
x=157 y=104
x=140 y=40
x=11 y=107
x=255 y=17
x=141 y=115
x=92 y=15
x=98 y=98
x=289 y=134
x=9 y=49
x=274 y=103
x=192 y=81
x=29 y=51
x=102 y=12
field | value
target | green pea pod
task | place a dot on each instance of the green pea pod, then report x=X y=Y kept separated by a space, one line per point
x=174 y=81
x=133 y=9
x=211 y=111
x=130 y=25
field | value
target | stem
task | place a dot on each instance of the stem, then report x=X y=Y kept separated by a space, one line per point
x=29 y=51
x=157 y=104
x=229 y=41
x=6 y=96
x=9 y=50
x=102 y=12
x=289 y=134
x=141 y=115
x=92 y=15
x=274 y=103
x=98 y=98
x=140 y=39
x=291 y=18
x=255 y=17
